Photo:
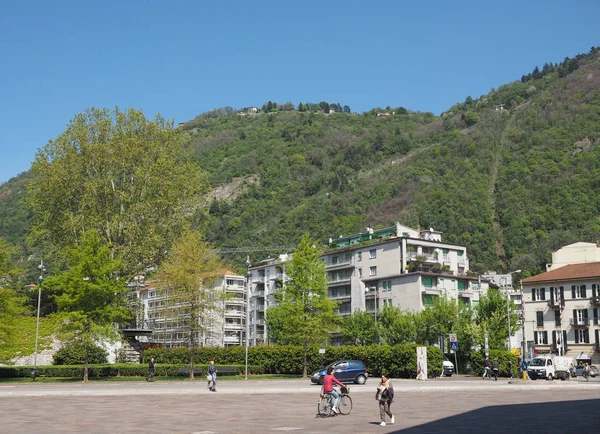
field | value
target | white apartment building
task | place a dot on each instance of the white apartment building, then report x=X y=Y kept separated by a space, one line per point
x=576 y=253
x=223 y=326
x=561 y=310
x=397 y=266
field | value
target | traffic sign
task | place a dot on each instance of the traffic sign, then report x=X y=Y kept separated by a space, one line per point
x=453 y=337
x=454 y=345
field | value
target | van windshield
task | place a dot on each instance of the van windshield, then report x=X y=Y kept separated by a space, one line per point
x=538 y=362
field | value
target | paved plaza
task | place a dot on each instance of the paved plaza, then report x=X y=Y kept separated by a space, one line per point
x=435 y=406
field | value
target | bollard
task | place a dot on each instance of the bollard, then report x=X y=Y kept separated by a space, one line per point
x=524 y=376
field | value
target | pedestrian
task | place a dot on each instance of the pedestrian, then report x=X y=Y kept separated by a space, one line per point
x=486 y=368
x=212 y=377
x=151 y=365
x=509 y=368
x=586 y=372
x=496 y=369
x=385 y=396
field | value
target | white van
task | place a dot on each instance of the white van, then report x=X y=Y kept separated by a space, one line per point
x=541 y=367
x=562 y=367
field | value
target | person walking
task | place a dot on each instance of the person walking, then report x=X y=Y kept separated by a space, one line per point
x=495 y=369
x=385 y=396
x=586 y=372
x=151 y=365
x=212 y=373
x=486 y=370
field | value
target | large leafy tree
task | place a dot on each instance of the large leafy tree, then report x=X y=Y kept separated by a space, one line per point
x=129 y=178
x=186 y=280
x=359 y=329
x=304 y=314
x=91 y=297
x=492 y=316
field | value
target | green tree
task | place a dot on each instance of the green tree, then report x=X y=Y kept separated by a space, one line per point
x=120 y=174
x=11 y=305
x=398 y=327
x=186 y=279
x=92 y=298
x=304 y=314
x=359 y=329
x=493 y=313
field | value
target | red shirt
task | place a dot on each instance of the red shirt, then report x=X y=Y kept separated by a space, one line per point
x=328 y=381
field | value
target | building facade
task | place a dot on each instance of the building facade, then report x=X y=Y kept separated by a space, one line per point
x=561 y=310
x=576 y=253
x=224 y=325
x=396 y=266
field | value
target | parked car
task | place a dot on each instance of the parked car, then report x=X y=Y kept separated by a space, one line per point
x=594 y=372
x=578 y=371
x=448 y=367
x=344 y=370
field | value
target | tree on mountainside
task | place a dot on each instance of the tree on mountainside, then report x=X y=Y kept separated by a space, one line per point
x=304 y=314
x=186 y=280
x=11 y=305
x=120 y=174
x=91 y=297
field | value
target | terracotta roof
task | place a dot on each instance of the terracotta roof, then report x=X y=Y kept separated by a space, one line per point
x=586 y=270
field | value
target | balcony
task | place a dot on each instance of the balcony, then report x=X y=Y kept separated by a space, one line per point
x=347 y=263
x=233 y=326
x=232 y=339
x=579 y=322
x=233 y=313
x=235 y=288
x=338 y=281
x=259 y=293
x=260 y=307
x=433 y=290
x=554 y=304
x=235 y=300
x=260 y=322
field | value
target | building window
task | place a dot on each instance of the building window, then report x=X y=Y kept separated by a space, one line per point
x=427 y=282
x=539 y=318
x=347 y=256
x=334 y=260
x=386 y=285
x=359 y=254
x=461 y=285
x=428 y=300
x=372 y=253
x=541 y=338
x=582 y=336
x=372 y=271
x=580 y=316
x=538 y=294
x=578 y=291
x=360 y=273
x=557 y=318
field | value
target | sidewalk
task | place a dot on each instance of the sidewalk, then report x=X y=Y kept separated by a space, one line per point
x=256 y=387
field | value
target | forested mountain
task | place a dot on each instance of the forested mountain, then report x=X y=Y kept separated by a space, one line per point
x=512 y=175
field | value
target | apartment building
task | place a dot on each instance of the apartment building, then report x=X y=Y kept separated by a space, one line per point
x=396 y=266
x=224 y=325
x=561 y=310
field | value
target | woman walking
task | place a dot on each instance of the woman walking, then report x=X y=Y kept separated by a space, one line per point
x=385 y=396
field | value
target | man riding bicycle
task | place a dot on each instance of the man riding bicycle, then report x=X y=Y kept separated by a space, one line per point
x=328 y=381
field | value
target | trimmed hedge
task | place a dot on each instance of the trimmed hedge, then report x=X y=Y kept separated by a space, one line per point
x=116 y=370
x=398 y=361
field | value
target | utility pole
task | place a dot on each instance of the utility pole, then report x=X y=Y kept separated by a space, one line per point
x=248 y=275
x=37 y=323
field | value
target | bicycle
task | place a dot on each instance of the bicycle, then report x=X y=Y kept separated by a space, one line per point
x=325 y=404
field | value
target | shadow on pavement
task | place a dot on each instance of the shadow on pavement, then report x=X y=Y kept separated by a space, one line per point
x=576 y=416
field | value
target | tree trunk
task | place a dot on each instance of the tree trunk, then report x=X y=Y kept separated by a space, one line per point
x=191 y=376
x=85 y=366
x=304 y=357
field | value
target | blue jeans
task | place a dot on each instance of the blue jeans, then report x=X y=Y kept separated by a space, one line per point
x=336 y=397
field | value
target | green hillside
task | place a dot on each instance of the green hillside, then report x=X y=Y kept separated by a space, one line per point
x=512 y=175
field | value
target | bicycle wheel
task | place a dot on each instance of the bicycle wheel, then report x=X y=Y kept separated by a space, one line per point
x=324 y=407
x=345 y=406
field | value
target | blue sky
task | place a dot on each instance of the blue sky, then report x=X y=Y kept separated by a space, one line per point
x=182 y=58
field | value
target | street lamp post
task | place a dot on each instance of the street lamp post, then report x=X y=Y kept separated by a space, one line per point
x=247 y=313
x=37 y=324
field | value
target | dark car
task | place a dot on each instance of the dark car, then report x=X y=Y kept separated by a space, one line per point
x=344 y=370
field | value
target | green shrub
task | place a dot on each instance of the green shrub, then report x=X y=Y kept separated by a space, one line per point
x=398 y=361
x=503 y=357
x=74 y=354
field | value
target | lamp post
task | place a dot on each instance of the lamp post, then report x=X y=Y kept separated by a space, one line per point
x=37 y=324
x=247 y=313
x=508 y=305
